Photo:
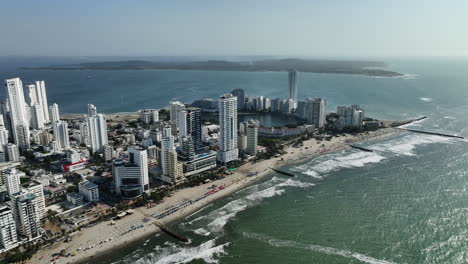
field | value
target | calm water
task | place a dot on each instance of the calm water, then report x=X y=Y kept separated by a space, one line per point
x=405 y=203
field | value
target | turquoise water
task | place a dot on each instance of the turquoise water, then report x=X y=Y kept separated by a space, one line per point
x=405 y=203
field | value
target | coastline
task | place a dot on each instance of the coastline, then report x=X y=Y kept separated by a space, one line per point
x=232 y=183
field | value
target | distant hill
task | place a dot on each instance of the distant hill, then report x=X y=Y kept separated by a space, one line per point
x=369 y=68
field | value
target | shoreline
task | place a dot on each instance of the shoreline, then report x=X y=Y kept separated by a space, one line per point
x=237 y=181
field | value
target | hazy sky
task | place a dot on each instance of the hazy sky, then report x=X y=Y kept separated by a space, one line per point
x=356 y=28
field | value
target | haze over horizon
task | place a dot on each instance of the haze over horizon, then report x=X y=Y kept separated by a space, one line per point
x=333 y=28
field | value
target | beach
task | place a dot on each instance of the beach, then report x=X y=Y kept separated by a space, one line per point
x=103 y=237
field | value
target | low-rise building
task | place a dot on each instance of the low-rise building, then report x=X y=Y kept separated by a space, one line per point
x=89 y=190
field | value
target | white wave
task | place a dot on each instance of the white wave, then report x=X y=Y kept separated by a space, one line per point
x=450 y=117
x=407 y=144
x=326 y=250
x=220 y=217
x=426 y=99
x=408 y=76
x=337 y=162
x=202 y=231
x=208 y=252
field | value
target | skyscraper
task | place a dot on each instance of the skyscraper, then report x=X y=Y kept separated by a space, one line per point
x=61 y=135
x=54 y=113
x=176 y=171
x=176 y=107
x=316 y=112
x=292 y=81
x=240 y=94
x=97 y=130
x=37 y=116
x=228 y=150
x=167 y=144
x=18 y=112
x=42 y=99
x=190 y=126
x=139 y=157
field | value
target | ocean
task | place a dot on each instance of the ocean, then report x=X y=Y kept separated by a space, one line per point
x=405 y=203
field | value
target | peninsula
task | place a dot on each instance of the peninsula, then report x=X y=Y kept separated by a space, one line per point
x=368 y=68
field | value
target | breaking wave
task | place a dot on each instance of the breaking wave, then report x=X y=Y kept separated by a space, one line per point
x=338 y=161
x=325 y=250
x=208 y=252
x=218 y=218
x=407 y=144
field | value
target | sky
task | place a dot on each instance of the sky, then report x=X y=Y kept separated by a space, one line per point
x=311 y=28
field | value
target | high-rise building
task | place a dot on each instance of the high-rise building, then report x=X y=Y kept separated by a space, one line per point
x=352 y=117
x=149 y=116
x=12 y=180
x=316 y=112
x=240 y=94
x=26 y=215
x=38 y=191
x=92 y=111
x=61 y=135
x=248 y=136
x=139 y=157
x=167 y=144
x=54 y=113
x=176 y=169
x=84 y=134
x=176 y=107
x=8 y=236
x=3 y=135
x=37 y=116
x=190 y=126
x=131 y=178
x=97 y=131
x=11 y=152
x=292 y=82
x=227 y=138
x=18 y=112
x=42 y=99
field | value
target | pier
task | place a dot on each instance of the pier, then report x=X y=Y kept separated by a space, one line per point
x=283 y=172
x=431 y=133
x=171 y=232
x=361 y=148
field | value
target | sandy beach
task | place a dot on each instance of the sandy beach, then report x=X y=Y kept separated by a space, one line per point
x=103 y=237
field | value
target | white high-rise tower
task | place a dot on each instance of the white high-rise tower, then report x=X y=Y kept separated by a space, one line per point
x=228 y=150
x=97 y=129
x=54 y=113
x=292 y=81
x=18 y=112
x=61 y=135
x=42 y=99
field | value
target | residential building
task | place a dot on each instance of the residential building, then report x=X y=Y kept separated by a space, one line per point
x=12 y=180
x=8 y=235
x=97 y=130
x=190 y=125
x=54 y=113
x=37 y=189
x=26 y=215
x=316 y=112
x=292 y=82
x=175 y=108
x=228 y=150
x=167 y=144
x=240 y=94
x=200 y=163
x=11 y=152
x=76 y=199
x=350 y=117
x=61 y=134
x=37 y=116
x=18 y=112
x=149 y=116
x=176 y=170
